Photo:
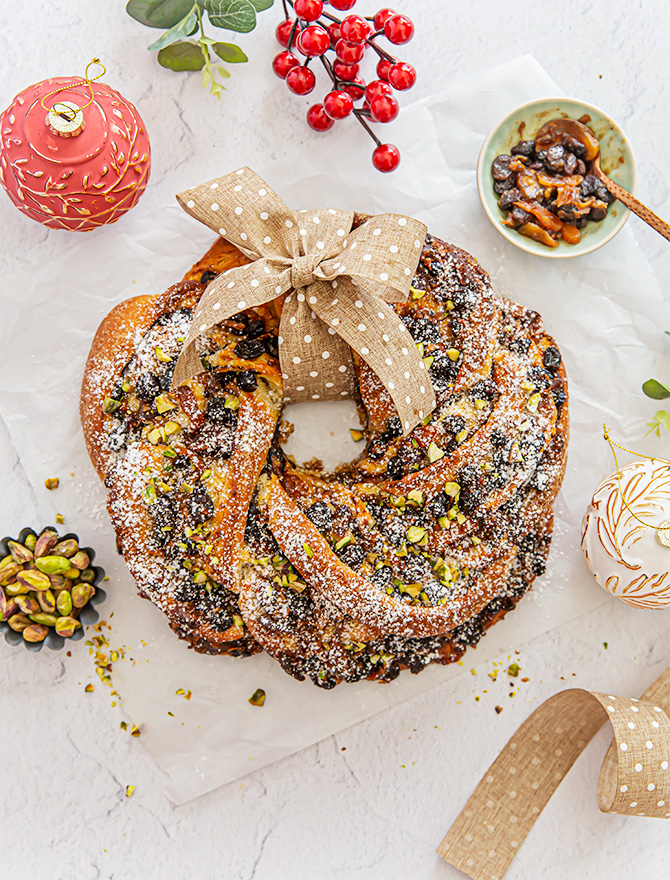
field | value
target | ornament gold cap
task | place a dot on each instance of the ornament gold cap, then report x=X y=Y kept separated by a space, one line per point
x=65 y=119
x=663 y=534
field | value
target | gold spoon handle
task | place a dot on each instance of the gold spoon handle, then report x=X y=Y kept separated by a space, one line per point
x=636 y=206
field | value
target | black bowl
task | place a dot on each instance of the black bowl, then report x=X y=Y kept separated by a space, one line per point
x=88 y=614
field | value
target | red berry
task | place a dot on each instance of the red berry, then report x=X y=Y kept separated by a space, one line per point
x=377 y=88
x=308 y=10
x=356 y=88
x=338 y=104
x=283 y=31
x=342 y=5
x=300 y=80
x=345 y=71
x=334 y=31
x=317 y=118
x=355 y=29
x=383 y=67
x=398 y=29
x=384 y=108
x=284 y=62
x=386 y=157
x=350 y=53
x=381 y=16
x=402 y=76
x=313 y=40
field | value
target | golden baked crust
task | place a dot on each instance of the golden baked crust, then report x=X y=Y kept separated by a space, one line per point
x=400 y=559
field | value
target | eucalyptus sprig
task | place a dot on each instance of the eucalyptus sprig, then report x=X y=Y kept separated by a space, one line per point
x=658 y=391
x=179 y=49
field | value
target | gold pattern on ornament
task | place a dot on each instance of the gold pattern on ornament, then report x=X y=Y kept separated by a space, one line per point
x=663 y=533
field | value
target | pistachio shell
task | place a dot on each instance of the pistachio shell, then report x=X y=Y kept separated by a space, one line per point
x=68 y=548
x=19 y=622
x=81 y=560
x=47 y=601
x=81 y=593
x=52 y=564
x=34 y=580
x=8 y=573
x=19 y=553
x=44 y=619
x=64 y=603
x=35 y=632
x=65 y=626
x=45 y=543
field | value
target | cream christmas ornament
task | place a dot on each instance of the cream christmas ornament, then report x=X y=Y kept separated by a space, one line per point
x=626 y=534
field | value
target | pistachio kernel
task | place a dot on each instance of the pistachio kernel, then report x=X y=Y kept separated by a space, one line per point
x=67 y=547
x=88 y=575
x=110 y=405
x=65 y=626
x=47 y=601
x=64 y=603
x=258 y=697
x=45 y=543
x=33 y=580
x=43 y=619
x=35 y=632
x=31 y=540
x=52 y=564
x=8 y=573
x=18 y=622
x=19 y=553
x=27 y=604
x=81 y=594
x=52 y=483
x=80 y=560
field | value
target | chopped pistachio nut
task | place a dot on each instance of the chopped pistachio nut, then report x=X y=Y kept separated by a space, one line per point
x=452 y=489
x=307 y=549
x=258 y=697
x=428 y=361
x=162 y=357
x=515 y=453
x=344 y=542
x=163 y=404
x=527 y=386
x=356 y=435
x=170 y=452
x=415 y=534
x=415 y=293
x=434 y=452
x=415 y=498
x=420 y=348
x=480 y=404
x=411 y=589
x=171 y=428
x=52 y=482
x=398 y=501
x=476 y=540
x=89 y=688
x=460 y=437
x=444 y=522
x=231 y=402
x=453 y=354
x=60 y=519
x=109 y=405
x=129 y=790
x=205 y=475
x=533 y=402
x=513 y=669
x=238 y=622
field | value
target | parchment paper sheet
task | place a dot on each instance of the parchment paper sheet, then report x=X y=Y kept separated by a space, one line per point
x=605 y=310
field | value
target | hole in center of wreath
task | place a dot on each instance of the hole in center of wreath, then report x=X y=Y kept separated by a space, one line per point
x=322 y=431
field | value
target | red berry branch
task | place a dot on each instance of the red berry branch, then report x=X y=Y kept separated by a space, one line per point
x=313 y=33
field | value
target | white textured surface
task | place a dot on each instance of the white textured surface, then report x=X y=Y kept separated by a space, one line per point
x=378 y=808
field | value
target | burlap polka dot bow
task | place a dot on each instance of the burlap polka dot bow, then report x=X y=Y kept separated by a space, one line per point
x=337 y=281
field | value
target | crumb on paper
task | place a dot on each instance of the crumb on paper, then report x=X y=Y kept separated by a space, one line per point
x=89 y=688
x=513 y=669
x=130 y=789
x=605 y=645
x=60 y=519
x=258 y=697
x=52 y=482
x=498 y=709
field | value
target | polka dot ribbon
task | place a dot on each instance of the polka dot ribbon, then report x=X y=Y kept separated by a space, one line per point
x=337 y=284
x=634 y=778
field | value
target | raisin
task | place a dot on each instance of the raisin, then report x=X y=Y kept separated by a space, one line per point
x=250 y=349
x=271 y=345
x=255 y=328
x=498 y=438
x=507 y=199
x=376 y=449
x=598 y=213
x=500 y=168
x=207 y=276
x=518 y=216
x=148 y=387
x=559 y=397
x=393 y=427
x=439 y=505
x=551 y=358
x=220 y=414
x=116 y=439
x=501 y=186
x=519 y=346
x=588 y=185
x=321 y=516
x=570 y=163
x=523 y=148
x=394 y=468
x=246 y=381
x=201 y=507
x=353 y=555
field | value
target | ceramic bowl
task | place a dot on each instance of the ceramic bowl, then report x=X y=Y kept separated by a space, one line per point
x=87 y=616
x=617 y=161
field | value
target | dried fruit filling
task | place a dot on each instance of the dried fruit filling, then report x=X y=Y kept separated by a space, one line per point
x=546 y=193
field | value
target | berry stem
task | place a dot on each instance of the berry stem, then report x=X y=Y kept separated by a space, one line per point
x=359 y=115
x=291 y=36
x=285 y=8
x=378 y=49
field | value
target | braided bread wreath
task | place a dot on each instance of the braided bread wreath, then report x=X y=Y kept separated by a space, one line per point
x=399 y=559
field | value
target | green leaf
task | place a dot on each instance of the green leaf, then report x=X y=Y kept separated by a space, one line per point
x=158 y=13
x=655 y=389
x=184 y=28
x=261 y=5
x=222 y=71
x=230 y=53
x=183 y=55
x=235 y=15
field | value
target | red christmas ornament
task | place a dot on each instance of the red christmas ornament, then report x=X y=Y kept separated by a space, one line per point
x=74 y=153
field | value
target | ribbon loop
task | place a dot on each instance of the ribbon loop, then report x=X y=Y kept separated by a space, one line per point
x=342 y=278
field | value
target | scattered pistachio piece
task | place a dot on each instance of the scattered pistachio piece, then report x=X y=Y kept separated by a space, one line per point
x=434 y=452
x=415 y=534
x=110 y=405
x=513 y=669
x=416 y=293
x=162 y=357
x=258 y=697
x=453 y=354
x=60 y=519
x=356 y=435
x=89 y=688
x=52 y=482
x=130 y=790
x=344 y=542
x=163 y=404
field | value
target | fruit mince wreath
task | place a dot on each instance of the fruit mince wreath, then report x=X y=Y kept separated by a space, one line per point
x=399 y=559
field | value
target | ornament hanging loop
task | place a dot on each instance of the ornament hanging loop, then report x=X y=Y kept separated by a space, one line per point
x=65 y=110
